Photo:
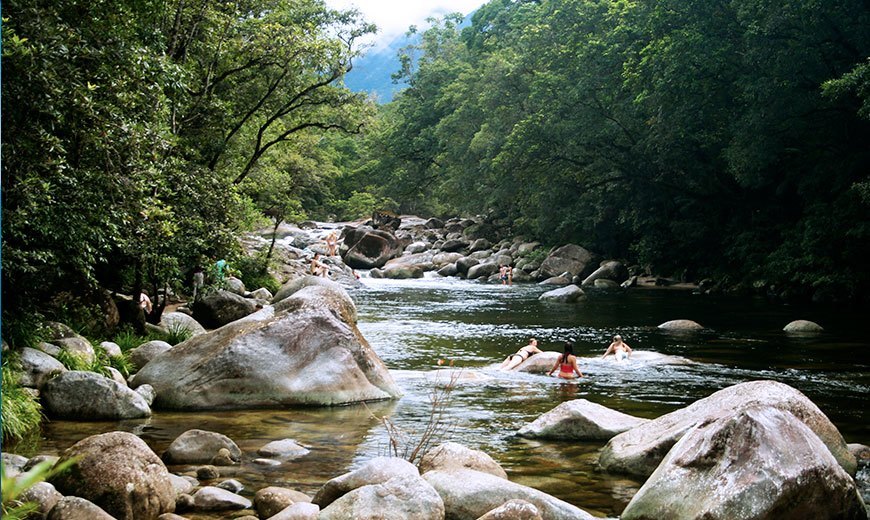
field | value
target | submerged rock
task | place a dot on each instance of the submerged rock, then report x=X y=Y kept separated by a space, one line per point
x=681 y=325
x=580 y=420
x=803 y=326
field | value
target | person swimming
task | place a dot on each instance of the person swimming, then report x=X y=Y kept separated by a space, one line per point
x=567 y=364
x=524 y=353
x=618 y=348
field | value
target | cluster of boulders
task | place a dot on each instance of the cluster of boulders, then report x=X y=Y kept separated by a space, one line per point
x=753 y=450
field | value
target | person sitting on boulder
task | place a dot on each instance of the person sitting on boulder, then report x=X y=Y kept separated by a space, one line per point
x=524 y=353
x=318 y=268
x=567 y=364
x=618 y=348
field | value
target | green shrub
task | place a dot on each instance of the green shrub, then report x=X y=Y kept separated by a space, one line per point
x=127 y=339
x=254 y=273
x=21 y=412
x=73 y=361
x=177 y=332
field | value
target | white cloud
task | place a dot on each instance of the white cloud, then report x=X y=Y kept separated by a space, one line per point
x=393 y=17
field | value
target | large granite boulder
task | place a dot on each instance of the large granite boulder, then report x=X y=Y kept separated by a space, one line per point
x=218 y=308
x=399 y=498
x=568 y=294
x=581 y=420
x=451 y=455
x=141 y=355
x=37 y=367
x=77 y=346
x=181 y=322
x=681 y=325
x=296 y=284
x=803 y=327
x=375 y=471
x=403 y=271
x=271 y=500
x=369 y=248
x=442 y=259
x=307 y=352
x=470 y=494
x=212 y=498
x=610 y=270
x=482 y=270
x=90 y=396
x=569 y=258
x=760 y=463
x=640 y=450
x=118 y=472
x=200 y=447
x=77 y=508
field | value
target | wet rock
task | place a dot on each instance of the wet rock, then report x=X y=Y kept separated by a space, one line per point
x=231 y=485
x=403 y=271
x=211 y=498
x=514 y=510
x=605 y=284
x=484 y=269
x=580 y=419
x=401 y=497
x=39 y=459
x=803 y=326
x=37 y=367
x=861 y=452
x=470 y=494
x=207 y=472
x=416 y=247
x=680 y=325
x=610 y=270
x=181 y=484
x=434 y=223
x=450 y=455
x=567 y=294
x=448 y=270
x=284 y=449
x=76 y=508
x=556 y=280
x=118 y=472
x=91 y=396
x=463 y=265
x=315 y=353
x=199 y=447
x=13 y=464
x=640 y=450
x=762 y=463
x=223 y=458
x=453 y=245
x=43 y=494
x=141 y=355
x=539 y=363
x=272 y=500
x=171 y=516
x=298 y=511
x=375 y=471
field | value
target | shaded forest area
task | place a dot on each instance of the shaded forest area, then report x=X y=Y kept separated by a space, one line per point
x=725 y=139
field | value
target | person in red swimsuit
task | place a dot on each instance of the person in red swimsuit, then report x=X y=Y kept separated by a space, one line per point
x=567 y=364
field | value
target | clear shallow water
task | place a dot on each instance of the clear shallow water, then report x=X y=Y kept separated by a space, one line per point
x=412 y=324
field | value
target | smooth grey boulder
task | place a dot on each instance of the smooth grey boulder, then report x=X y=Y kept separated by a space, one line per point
x=297 y=284
x=44 y=495
x=212 y=498
x=760 y=463
x=118 y=472
x=76 y=508
x=37 y=367
x=451 y=455
x=262 y=294
x=470 y=494
x=484 y=269
x=283 y=449
x=180 y=321
x=403 y=271
x=610 y=270
x=448 y=270
x=580 y=419
x=416 y=247
x=200 y=447
x=147 y=393
x=221 y=307
x=111 y=349
x=556 y=280
x=141 y=355
x=181 y=484
x=464 y=264
x=308 y=352
x=234 y=285
x=271 y=500
x=442 y=259
x=453 y=245
x=434 y=223
x=77 y=346
x=480 y=244
x=375 y=471
x=514 y=510
x=399 y=498
x=640 y=450
x=803 y=326
x=91 y=396
x=13 y=464
x=297 y=511
x=567 y=294
x=232 y=485
x=540 y=363
x=681 y=325
x=569 y=258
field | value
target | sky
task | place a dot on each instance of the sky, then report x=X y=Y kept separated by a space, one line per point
x=394 y=16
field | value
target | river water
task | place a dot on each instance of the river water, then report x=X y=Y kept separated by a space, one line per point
x=412 y=324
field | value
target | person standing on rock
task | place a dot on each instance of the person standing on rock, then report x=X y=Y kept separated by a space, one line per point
x=524 y=353
x=331 y=243
x=567 y=364
x=198 y=281
x=618 y=348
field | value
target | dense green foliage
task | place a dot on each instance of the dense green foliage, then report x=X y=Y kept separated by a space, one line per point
x=21 y=411
x=140 y=135
x=726 y=138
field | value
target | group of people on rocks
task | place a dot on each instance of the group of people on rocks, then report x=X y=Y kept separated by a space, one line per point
x=318 y=267
x=567 y=362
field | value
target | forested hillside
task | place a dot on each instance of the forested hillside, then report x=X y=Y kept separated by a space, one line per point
x=723 y=138
x=695 y=137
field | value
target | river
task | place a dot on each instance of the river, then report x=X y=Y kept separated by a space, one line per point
x=412 y=324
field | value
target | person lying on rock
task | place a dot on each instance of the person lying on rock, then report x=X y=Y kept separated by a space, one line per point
x=567 y=364
x=618 y=348
x=521 y=355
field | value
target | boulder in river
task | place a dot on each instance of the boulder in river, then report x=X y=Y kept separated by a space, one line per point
x=680 y=325
x=760 y=463
x=581 y=420
x=307 y=352
x=568 y=294
x=610 y=270
x=803 y=327
x=200 y=447
x=375 y=471
x=640 y=450
x=271 y=500
x=368 y=248
x=77 y=508
x=401 y=497
x=571 y=258
x=90 y=396
x=452 y=455
x=118 y=472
